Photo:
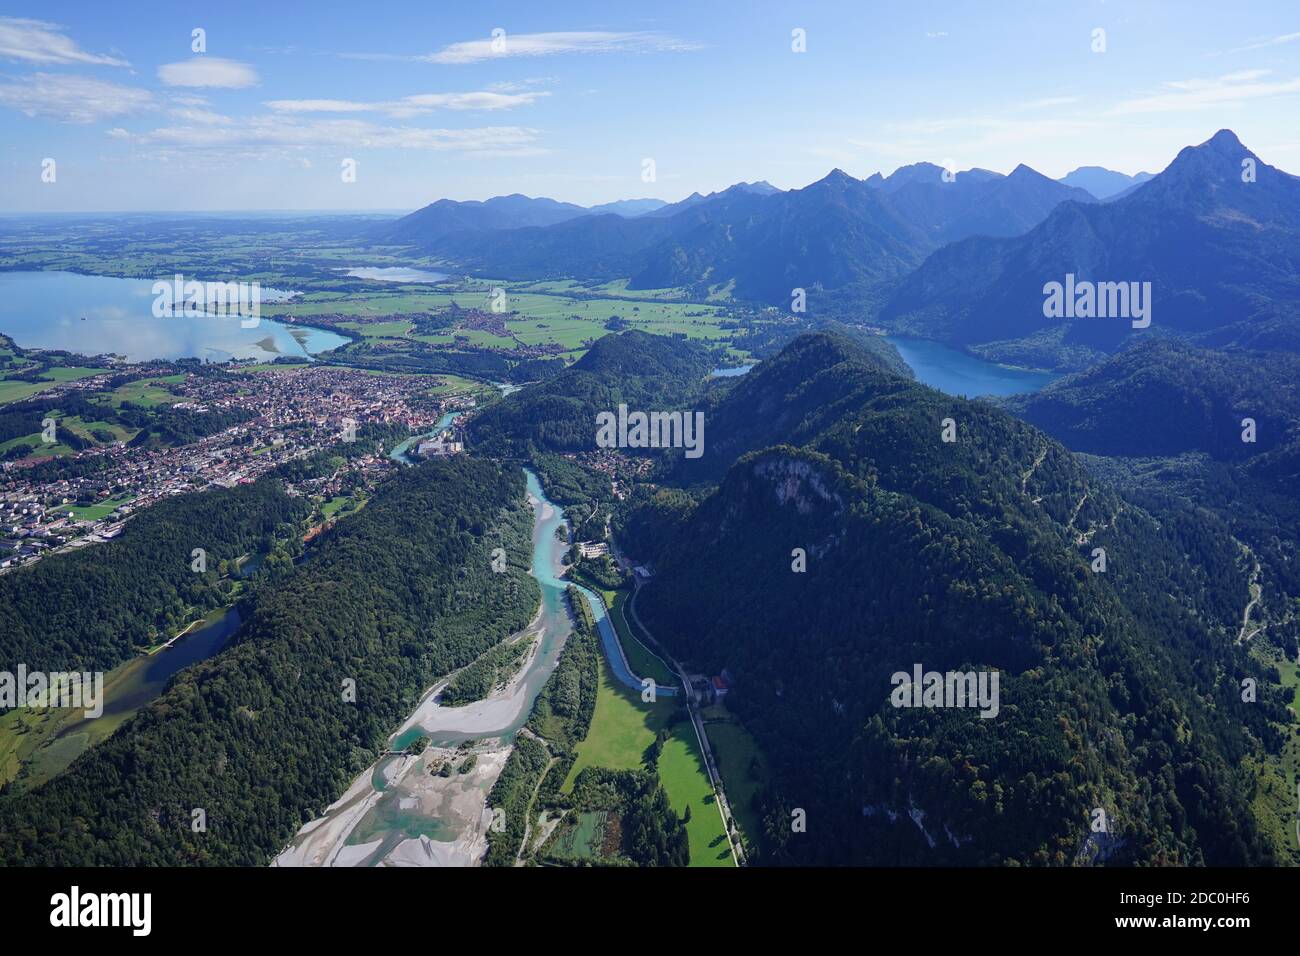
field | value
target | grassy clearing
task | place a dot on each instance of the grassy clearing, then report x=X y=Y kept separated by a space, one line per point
x=1274 y=803
x=336 y=504
x=456 y=385
x=380 y=330
x=622 y=729
x=147 y=393
x=581 y=839
x=12 y=390
x=98 y=511
x=681 y=770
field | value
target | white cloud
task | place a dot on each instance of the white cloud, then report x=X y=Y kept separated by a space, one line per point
x=518 y=86
x=411 y=105
x=208 y=71
x=72 y=99
x=1198 y=94
x=550 y=44
x=35 y=41
x=190 y=114
x=341 y=134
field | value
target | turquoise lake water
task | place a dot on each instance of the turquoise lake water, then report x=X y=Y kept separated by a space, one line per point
x=94 y=315
x=957 y=373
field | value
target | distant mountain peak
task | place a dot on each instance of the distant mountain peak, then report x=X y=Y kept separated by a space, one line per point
x=1025 y=172
x=836 y=177
x=1103 y=183
x=1225 y=139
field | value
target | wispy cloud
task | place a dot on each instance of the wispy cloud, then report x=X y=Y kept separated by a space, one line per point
x=1261 y=44
x=1201 y=93
x=411 y=105
x=1046 y=103
x=43 y=44
x=72 y=99
x=547 y=44
x=208 y=71
x=341 y=134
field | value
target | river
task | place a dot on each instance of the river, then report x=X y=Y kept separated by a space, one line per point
x=398 y=812
x=399 y=453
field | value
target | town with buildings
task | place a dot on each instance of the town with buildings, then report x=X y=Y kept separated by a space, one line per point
x=287 y=413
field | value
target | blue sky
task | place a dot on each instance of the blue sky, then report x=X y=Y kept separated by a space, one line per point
x=581 y=93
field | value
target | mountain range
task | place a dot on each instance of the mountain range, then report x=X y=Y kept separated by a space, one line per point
x=754 y=240
x=451 y=217
x=962 y=258
x=1220 y=249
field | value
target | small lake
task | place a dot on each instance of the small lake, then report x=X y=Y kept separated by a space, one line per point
x=733 y=372
x=129 y=687
x=396 y=274
x=93 y=315
x=964 y=375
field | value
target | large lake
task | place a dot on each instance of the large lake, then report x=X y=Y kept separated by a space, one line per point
x=957 y=373
x=45 y=310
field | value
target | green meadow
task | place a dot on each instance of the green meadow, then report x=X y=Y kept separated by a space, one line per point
x=681 y=770
x=622 y=729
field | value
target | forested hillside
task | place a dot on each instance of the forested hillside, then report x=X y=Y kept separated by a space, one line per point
x=1165 y=421
x=647 y=372
x=93 y=608
x=266 y=734
x=1120 y=689
x=1166 y=397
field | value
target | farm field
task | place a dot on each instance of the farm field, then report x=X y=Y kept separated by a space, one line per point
x=535 y=313
x=14 y=390
x=622 y=729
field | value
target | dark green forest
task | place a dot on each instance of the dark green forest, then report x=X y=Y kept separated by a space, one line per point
x=265 y=735
x=647 y=372
x=1119 y=690
x=93 y=608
